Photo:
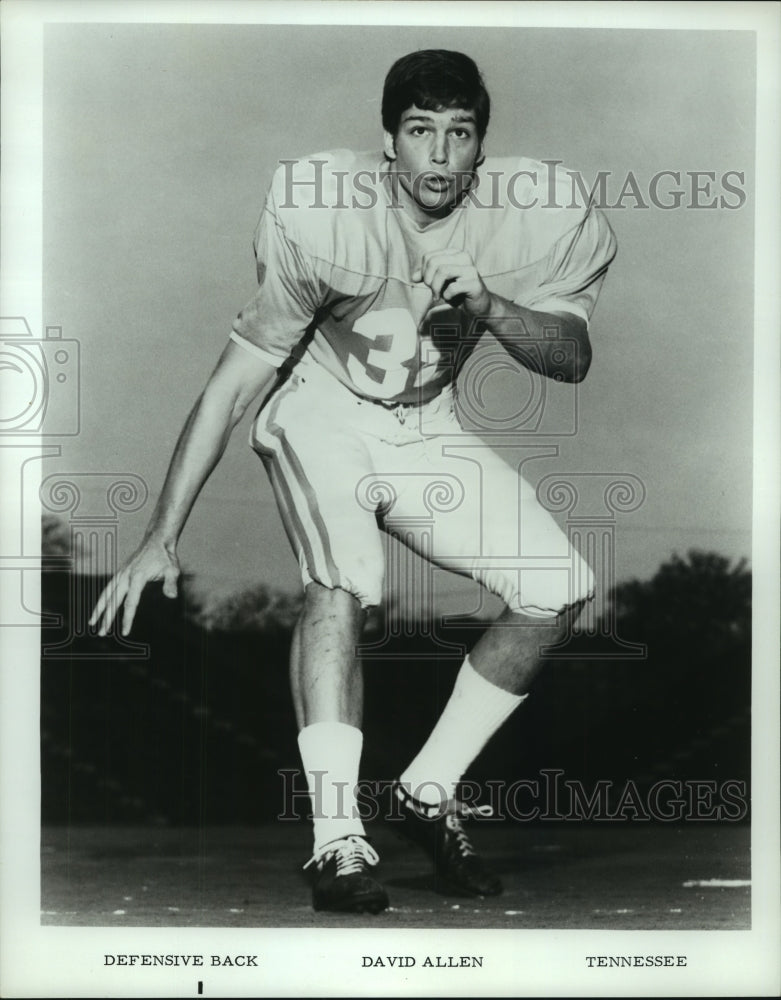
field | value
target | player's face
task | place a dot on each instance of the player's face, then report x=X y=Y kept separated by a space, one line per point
x=433 y=156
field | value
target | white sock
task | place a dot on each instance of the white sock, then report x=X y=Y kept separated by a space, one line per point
x=474 y=712
x=335 y=749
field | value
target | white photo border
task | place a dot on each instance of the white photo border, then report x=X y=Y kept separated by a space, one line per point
x=49 y=961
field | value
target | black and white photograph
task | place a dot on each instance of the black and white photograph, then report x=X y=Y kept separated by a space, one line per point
x=389 y=435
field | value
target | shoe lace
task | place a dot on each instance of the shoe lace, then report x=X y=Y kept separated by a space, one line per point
x=454 y=822
x=353 y=853
x=400 y=413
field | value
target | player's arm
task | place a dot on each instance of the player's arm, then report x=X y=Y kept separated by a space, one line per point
x=238 y=379
x=555 y=344
x=545 y=342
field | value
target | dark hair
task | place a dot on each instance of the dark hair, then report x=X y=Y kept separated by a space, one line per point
x=434 y=79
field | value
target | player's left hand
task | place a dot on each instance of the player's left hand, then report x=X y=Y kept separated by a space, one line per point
x=452 y=276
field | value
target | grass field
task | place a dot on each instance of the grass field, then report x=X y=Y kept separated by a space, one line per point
x=578 y=876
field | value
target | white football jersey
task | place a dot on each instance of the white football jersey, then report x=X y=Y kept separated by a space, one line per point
x=335 y=258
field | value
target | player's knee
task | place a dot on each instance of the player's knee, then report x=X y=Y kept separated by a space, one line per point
x=360 y=576
x=365 y=585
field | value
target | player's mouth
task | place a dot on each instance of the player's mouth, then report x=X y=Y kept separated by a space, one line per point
x=438 y=183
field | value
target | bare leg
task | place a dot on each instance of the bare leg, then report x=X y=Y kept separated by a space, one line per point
x=327 y=685
x=508 y=652
x=325 y=677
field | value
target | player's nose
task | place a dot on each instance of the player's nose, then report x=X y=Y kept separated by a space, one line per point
x=439 y=150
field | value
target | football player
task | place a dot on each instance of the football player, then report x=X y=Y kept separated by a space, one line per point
x=377 y=276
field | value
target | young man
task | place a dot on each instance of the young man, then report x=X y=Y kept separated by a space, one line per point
x=377 y=277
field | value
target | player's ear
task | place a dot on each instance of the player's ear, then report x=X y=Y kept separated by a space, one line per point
x=480 y=154
x=390 y=145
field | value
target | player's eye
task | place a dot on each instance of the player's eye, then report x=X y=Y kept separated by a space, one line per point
x=418 y=130
x=462 y=133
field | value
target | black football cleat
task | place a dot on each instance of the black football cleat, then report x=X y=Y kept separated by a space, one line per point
x=342 y=882
x=458 y=869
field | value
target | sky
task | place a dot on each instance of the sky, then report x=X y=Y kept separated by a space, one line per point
x=160 y=140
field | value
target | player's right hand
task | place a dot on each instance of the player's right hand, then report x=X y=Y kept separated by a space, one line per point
x=151 y=561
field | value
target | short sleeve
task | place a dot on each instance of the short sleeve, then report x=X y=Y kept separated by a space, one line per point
x=575 y=268
x=276 y=318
